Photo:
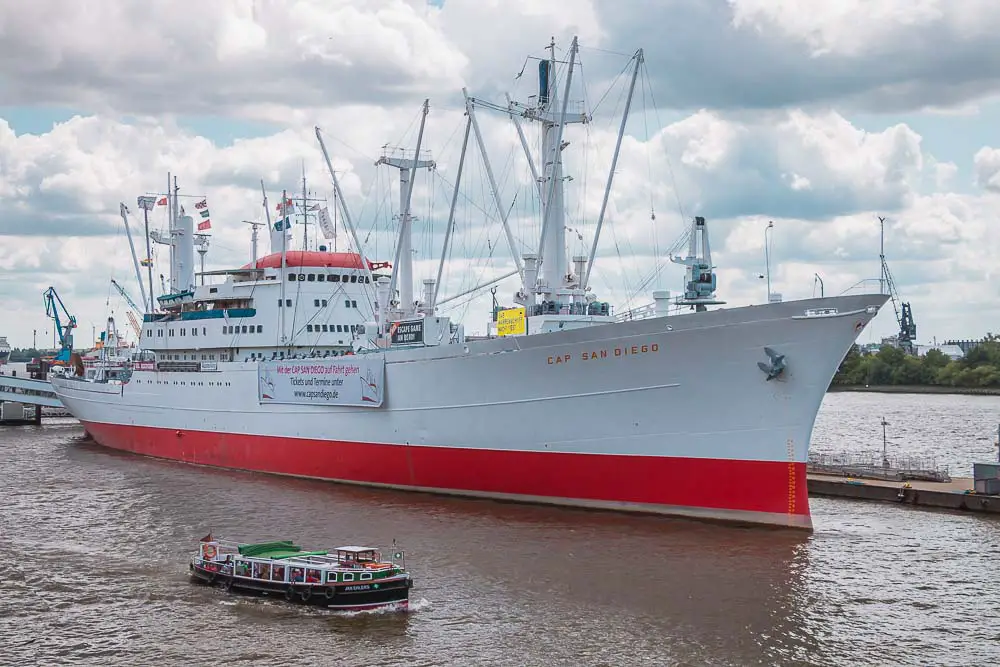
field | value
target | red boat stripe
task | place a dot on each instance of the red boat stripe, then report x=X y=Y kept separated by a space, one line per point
x=752 y=486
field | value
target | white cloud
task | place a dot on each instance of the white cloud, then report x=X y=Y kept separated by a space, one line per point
x=361 y=70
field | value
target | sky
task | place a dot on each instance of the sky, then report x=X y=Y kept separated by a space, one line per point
x=821 y=117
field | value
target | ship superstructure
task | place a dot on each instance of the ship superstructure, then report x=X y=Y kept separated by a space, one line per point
x=326 y=365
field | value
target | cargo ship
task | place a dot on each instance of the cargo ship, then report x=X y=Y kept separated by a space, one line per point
x=323 y=364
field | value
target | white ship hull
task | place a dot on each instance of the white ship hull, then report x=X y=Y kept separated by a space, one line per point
x=668 y=415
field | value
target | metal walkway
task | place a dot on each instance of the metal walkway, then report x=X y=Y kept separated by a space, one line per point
x=29 y=392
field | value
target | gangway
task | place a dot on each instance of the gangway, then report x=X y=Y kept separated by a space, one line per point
x=29 y=392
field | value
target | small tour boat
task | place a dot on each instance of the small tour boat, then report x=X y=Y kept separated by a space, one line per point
x=348 y=578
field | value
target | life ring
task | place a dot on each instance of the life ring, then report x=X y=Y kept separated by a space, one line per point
x=209 y=552
x=289 y=593
x=305 y=594
x=330 y=592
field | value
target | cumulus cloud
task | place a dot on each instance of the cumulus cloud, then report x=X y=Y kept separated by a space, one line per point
x=758 y=141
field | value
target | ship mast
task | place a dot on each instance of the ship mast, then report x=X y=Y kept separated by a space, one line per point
x=402 y=273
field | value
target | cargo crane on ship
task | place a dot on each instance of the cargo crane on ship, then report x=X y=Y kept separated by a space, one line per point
x=64 y=328
x=906 y=338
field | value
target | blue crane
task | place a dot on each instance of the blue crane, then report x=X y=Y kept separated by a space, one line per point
x=65 y=329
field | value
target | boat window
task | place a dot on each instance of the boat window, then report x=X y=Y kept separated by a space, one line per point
x=316 y=302
x=340 y=328
x=204 y=331
x=320 y=277
x=260 y=328
x=244 y=328
x=324 y=303
x=291 y=276
x=348 y=576
x=279 y=303
x=302 y=277
x=313 y=576
x=331 y=577
x=354 y=304
x=278 y=573
x=309 y=327
x=365 y=575
x=288 y=303
x=171 y=332
x=347 y=303
x=335 y=278
x=324 y=328
x=159 y=333
x=194 y=331
x=312 y=277
x=344 y=278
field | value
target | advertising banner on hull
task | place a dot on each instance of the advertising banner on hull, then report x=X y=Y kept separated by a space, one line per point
x=352 y=380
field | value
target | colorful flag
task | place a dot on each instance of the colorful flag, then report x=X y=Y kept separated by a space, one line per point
x=287 y=220
x=314 y=207
x=146 y=262
x=202 y=204
x=162 y=201
x=202 y=226
x=288 y=202
x=205 y=214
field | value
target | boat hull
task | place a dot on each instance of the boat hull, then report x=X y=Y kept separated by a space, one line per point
x=350 y=597
x=667 y=415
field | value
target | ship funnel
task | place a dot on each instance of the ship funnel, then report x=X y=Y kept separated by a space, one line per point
x=185 y=253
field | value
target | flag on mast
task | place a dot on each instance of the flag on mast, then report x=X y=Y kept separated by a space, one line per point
x=326 y=224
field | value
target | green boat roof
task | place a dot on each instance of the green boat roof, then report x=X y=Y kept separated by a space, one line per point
x=276 y=550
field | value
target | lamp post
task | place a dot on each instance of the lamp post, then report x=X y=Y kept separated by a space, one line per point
x=767 y=259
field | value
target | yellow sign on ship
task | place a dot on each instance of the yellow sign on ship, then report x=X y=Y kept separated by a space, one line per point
x=511 y=322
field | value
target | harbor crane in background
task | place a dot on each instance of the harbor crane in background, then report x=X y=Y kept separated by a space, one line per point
x=131 y=314
x=64 y=328
x=907 y=336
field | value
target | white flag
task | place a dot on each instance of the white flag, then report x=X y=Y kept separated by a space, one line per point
x=326 y=224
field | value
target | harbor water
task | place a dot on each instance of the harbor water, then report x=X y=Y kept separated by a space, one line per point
x=94 y=547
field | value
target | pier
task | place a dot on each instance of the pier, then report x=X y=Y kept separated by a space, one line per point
x=22 y=400
x=959 y=493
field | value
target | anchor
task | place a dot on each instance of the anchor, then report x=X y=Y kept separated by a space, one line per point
x=776 y=367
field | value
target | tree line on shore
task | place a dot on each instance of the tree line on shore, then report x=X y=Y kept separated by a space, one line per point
x=980 y=367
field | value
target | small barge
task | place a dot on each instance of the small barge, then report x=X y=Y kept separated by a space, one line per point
x=351 y=578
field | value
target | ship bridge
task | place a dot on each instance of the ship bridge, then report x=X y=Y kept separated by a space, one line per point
x=28 y=392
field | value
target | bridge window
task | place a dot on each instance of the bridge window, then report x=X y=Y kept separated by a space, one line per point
x=288 y=303
x=347 y=303
x=204 y=331
x=354 y=278
x=171 y=332
x=260 y=328
x=316 y=302
x=159 y=333
x=244 y=328
x=324 y=303
x=354 y=304
x=194 y=331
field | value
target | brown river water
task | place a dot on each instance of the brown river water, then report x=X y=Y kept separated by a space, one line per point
x=94 y=547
